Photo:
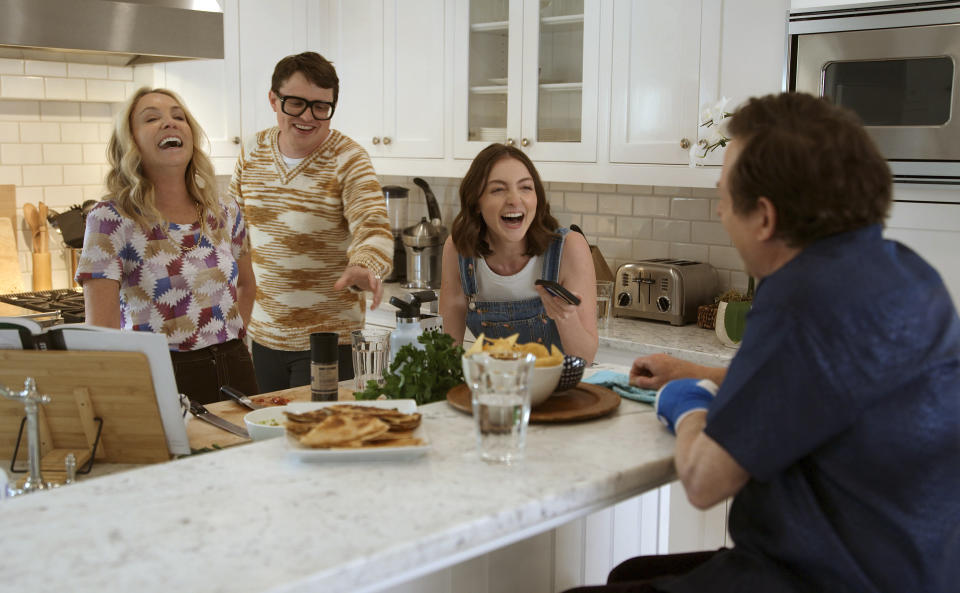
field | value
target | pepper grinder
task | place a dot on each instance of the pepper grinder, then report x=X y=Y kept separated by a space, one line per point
x=324 y=371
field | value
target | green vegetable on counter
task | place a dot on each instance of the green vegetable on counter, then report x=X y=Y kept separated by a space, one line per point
x=422 y=375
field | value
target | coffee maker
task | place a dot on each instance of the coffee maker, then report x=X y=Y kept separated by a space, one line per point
x=396 y=196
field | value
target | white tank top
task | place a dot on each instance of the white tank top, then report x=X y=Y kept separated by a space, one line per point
x=494 y=287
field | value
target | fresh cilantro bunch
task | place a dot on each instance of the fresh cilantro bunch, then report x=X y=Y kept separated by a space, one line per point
x=422 y=375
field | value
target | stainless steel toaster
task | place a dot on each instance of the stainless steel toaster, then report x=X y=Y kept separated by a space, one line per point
x=663 y=289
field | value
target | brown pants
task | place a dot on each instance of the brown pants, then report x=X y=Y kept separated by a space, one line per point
x=201 y=373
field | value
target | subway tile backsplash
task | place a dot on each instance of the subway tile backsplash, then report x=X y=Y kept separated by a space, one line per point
x=626 y=222
x=55 y=120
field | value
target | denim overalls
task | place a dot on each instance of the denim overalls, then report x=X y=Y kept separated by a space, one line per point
x=527 y=317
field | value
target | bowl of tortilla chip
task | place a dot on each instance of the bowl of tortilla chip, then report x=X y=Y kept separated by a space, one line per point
x=546 y=372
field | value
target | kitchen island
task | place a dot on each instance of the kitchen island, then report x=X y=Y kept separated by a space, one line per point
x=250 y=518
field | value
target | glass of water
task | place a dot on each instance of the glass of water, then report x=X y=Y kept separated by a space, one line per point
x=500 y=392
x=604 y=300
x=371 y=355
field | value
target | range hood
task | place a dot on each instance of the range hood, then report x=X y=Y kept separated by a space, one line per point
x=126 y=32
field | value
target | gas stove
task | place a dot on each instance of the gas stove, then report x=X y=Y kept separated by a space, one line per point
x=68 y=301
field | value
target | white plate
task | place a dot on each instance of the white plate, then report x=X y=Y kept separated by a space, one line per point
x=404 y=406
x=498 y=81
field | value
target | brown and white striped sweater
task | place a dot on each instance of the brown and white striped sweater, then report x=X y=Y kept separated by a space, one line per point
x=306 y=225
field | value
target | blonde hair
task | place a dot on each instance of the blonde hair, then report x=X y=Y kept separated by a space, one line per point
x=132 y=190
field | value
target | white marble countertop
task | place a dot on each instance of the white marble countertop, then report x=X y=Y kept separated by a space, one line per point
x=689 y=342
x=250 y=518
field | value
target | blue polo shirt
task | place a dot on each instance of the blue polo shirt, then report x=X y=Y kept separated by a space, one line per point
x=843 y=404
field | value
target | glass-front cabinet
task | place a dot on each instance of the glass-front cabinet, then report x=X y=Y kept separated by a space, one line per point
x=526 y=75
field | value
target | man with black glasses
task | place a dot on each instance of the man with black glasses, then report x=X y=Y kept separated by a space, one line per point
x=317 y=223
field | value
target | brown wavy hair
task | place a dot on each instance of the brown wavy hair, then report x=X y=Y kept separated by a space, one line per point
x=469 y=230
x=314 y=67
x=135 y=194
x=814 y=161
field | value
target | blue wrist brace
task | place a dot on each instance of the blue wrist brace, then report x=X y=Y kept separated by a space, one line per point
x=678 y=398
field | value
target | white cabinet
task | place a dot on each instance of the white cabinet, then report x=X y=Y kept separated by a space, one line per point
x=930 y=229
x=270 y=31
x=229 y=96
x=671 y=59
x=211 y=90
x=389 y=56
x=655 y=80
x=526 y=73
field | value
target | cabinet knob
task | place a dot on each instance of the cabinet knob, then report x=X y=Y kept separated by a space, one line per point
x=236 y=139
x=376 y=139
x=702 y=143
x=524 y=142
x=386 y=140
x=509 y=142
x=685 y=143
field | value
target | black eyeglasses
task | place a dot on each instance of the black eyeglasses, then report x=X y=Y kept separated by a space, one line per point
x=295 y=106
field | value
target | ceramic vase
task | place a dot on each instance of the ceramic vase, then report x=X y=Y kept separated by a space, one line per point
x=731 y=321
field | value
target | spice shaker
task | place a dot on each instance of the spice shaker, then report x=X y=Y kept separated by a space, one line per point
x=324 y=373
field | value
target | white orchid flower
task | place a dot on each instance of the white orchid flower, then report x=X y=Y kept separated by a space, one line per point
x=712 y=115
x=723 y=128
x=694 y=148
x=714 y=118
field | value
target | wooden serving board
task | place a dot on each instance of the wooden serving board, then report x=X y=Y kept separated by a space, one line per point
x=584 y=402
x=203 y=435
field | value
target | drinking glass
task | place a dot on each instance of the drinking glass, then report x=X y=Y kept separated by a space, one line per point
x=604 y=298
x=500 y=393
x=371 y=352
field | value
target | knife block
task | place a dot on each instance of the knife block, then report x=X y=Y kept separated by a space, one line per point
x=115 y=387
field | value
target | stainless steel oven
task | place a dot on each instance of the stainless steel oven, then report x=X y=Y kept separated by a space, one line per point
x=898 y=68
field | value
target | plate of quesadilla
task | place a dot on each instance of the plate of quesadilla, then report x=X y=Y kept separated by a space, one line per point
x=368 y=430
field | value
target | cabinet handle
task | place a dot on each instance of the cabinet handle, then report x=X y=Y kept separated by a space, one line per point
x=685 y=143
x=524 y=142
x=236 y=139
x=376 y=139
x=702 y=143
x=509 y=142
x=386 y=140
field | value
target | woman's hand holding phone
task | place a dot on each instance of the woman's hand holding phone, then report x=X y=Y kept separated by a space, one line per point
x=558 y=290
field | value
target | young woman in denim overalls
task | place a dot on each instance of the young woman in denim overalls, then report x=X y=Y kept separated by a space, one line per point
x=504 y=239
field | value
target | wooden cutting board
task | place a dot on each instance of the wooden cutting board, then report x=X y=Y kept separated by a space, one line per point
x=8 y=203
x=203 y=435
x=83 y=386
x=10 y=278
x=584 y=402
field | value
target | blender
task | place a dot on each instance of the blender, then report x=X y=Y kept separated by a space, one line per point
x=396 y=196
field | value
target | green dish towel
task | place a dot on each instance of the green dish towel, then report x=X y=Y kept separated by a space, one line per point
x=620 y=383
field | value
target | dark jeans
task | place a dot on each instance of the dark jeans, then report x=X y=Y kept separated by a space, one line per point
x=636 y=574
x=283 y=369
x=201 y=373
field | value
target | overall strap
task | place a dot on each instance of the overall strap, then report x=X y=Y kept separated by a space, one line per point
x=468 y=275
x=551 y=259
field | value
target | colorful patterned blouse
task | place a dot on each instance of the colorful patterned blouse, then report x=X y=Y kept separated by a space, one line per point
x=173 y=281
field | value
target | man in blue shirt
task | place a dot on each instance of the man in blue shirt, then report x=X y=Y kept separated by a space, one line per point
x=836 y=427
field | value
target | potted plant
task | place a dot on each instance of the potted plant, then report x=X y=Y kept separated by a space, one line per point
x=732 y=308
